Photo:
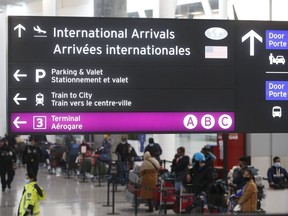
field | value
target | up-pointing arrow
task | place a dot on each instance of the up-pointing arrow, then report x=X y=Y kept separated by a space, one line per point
x=16 y=122
x=252 y=34
x=17 y=75
x=17 y=99
x=19 y=27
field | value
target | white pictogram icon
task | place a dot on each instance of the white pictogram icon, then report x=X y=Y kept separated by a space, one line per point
x=39 y=99
x=40 y=32
x=276 y=60
x=277 y=112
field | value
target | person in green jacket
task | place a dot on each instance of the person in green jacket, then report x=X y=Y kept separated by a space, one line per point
x=32 y=194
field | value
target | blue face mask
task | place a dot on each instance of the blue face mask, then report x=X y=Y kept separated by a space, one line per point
x=277 y=164
x=27 y=181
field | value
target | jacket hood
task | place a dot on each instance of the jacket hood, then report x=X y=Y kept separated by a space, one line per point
x=147 y=155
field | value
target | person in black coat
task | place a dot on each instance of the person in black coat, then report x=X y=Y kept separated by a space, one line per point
x=179 y=166
x=154 y=149
x=201 y=174
x=238 y=179
x=7 y=164
x=31 y=156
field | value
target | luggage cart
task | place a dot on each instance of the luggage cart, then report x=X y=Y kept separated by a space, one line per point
x=164 y=195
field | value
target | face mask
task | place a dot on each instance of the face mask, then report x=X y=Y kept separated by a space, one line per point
x=27 y=181
x=277 y=164
x=247 y=178
x=151 y=144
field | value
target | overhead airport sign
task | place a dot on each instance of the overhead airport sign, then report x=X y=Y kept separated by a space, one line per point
x=132 y=75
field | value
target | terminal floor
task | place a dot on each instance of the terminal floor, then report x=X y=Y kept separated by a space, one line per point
x=74 y=197
x=68 y=197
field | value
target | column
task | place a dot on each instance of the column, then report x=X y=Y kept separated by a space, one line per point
x=110 y=8
x=49 y=7
x=3 y=69
x=167 y=143
x=223 y=9
x=166 y=9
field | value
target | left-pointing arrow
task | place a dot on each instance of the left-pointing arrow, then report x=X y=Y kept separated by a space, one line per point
x=17 y=99
x=17 y=75
x=19 y=27
x=16 y=122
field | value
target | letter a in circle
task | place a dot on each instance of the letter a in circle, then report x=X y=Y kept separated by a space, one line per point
x=190 y=121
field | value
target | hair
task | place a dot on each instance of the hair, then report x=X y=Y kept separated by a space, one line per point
x=31 y=175
x=250 y=173
x=123 y=138
x=181 y=149
x=244 y=159
x=151 y=140
x=276 y=158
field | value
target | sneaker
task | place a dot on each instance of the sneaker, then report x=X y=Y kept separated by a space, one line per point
x=3 y=189
x=9 y=186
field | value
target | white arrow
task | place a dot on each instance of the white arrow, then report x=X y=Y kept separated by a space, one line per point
x=17 y=75
x=252 y=34
x=16 y=99
x=16 y=122
x=19 y=27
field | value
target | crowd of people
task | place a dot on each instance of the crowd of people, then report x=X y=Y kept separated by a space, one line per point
x=196 y=171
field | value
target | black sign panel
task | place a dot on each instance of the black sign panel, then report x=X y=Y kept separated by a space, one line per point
x=262 y=76
x=77 y=75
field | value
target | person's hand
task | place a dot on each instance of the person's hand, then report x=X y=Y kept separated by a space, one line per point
x=237 y=208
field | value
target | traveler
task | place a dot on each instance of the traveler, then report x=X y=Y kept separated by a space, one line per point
x=31 y=157
x=238 y=179
x=149 y=172
x=32 y=194
x=248 y=199
x=179 y=166
x=106 y=149
x=126 y=154
x=7 y=164
x=209 y=156
x=154 y=149
x=201 y=174
x=277 y=175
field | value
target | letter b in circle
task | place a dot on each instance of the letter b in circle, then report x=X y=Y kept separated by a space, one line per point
x=207 y=121
x=190 y=121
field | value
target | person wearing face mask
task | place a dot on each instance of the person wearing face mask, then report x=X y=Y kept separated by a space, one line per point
x=154 y=149
x=248 y=199
x=32 y=194
x=277 y=175
x=201 y=175
x=31 y=156
x=179 y=166
x=238 y=179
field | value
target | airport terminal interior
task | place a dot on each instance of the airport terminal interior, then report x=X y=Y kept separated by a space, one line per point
x=80 y=178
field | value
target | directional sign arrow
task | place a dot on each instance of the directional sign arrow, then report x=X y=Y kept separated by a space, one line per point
x=252 y=34
x=19 y=27
x=17 y=75
x=16 y=122
x=16 y=99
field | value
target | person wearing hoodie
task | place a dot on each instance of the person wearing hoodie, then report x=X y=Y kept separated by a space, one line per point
x=32 y=194
x=277 y=175
x=149 y=173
